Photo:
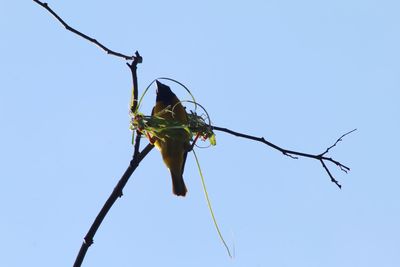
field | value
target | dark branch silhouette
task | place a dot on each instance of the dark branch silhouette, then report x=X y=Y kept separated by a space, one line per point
x=90 y=39
x=139 y=156
x=117 y=192
x=133 y=67
x=291 y=153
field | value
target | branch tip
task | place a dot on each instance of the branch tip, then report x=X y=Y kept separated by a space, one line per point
x=333 y=180
x=138 y=58
x=295 y=154
x=92 y=40
x=290 y=156
x=337 y=141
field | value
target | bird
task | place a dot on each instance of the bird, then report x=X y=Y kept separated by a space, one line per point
x=172 y=143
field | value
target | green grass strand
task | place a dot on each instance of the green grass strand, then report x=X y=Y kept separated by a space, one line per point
x=209 y=205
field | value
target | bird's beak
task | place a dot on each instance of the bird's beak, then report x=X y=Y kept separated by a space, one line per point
x=158 y=84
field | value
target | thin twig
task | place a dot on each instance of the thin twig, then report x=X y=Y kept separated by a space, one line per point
x=90 y=39
x=291 y=153
x=337 y=141
x=333 y=180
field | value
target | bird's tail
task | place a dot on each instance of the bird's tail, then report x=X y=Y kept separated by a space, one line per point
x=178 y=185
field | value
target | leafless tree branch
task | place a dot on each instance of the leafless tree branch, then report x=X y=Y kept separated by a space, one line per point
x=293 y=154
x=133 y=67
x=90 y=39
x=116 y=193
x=137 y=156
x=337 y=141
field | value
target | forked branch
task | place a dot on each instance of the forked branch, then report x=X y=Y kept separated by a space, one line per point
x=294 y=154
x=117 y=192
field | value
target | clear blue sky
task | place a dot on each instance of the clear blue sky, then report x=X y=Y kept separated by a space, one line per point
x=299 y=73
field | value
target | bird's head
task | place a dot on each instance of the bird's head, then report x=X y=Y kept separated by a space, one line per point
x=164 y=93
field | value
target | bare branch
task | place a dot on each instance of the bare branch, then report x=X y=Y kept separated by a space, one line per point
x=90 y=39
x=116 y=193
x=137 y=156
x=291 y=153
x=333 y=180
x=340 y=165
x=137 y=59
x=337 y=141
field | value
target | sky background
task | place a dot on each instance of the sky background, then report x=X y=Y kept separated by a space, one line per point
x=299 y=73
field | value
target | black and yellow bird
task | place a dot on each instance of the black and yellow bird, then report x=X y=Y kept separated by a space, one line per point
x=172 y=143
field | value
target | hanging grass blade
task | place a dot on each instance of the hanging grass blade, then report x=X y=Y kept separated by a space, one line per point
x=209 y=206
